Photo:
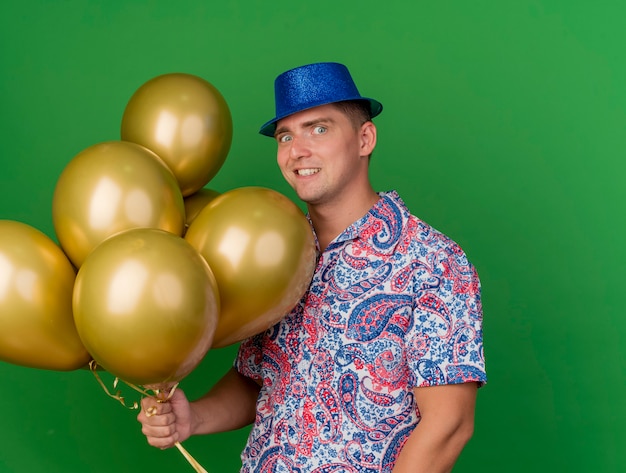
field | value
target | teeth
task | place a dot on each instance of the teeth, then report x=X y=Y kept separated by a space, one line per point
x=307 y=172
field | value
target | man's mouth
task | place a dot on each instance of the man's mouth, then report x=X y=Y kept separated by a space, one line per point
x=307 y=171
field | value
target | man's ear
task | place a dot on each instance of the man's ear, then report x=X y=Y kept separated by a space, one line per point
x=367 y=136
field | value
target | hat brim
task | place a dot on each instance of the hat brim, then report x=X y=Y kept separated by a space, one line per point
x=269 y=127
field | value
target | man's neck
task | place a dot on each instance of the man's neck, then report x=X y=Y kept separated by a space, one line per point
x=332 y=218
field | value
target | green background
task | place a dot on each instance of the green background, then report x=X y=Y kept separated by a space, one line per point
x=504 y=127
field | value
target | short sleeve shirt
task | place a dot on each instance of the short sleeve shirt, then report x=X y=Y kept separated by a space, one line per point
x=393 y=305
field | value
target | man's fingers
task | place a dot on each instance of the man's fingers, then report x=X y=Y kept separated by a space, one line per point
x=151 y=407
x=158 y=423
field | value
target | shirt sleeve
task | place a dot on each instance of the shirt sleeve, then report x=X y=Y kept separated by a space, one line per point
x=445 y=342
x=249 y=357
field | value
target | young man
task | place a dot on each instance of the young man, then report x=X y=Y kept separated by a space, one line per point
x=377 y=369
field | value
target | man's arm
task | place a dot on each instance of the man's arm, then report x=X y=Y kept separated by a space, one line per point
x=446 y=425
x=229 y=405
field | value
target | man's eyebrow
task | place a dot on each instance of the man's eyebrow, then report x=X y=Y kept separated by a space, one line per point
x=280 y=130
x=307 y=124
x=315 y=121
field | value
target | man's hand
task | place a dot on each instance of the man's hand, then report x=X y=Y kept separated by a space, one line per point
x=165 y=423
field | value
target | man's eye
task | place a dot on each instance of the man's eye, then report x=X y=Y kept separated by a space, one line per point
x=319 y=129
x=284 y=138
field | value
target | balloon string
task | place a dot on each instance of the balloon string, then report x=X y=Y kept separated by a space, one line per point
x=158 y=395
x=118 y=395
x=192 y=461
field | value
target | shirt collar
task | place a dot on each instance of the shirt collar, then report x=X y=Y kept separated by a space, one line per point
x=369 y=226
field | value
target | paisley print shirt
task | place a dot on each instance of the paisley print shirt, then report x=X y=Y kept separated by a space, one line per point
x=393 y=305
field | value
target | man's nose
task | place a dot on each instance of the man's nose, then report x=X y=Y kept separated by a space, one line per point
x=299 y=147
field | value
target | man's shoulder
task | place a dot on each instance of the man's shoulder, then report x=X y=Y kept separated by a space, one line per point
x=405 y=233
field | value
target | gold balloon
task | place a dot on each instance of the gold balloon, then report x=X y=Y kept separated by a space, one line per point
x=146 y=306
x=261 y=249
x=111 y=187
x=186 y=121
x=36 y=279
x=196 y=202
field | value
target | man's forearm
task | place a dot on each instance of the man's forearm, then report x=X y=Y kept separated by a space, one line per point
x=229 y=405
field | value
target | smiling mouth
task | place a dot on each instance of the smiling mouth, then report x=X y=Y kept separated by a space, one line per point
x=307 y=172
